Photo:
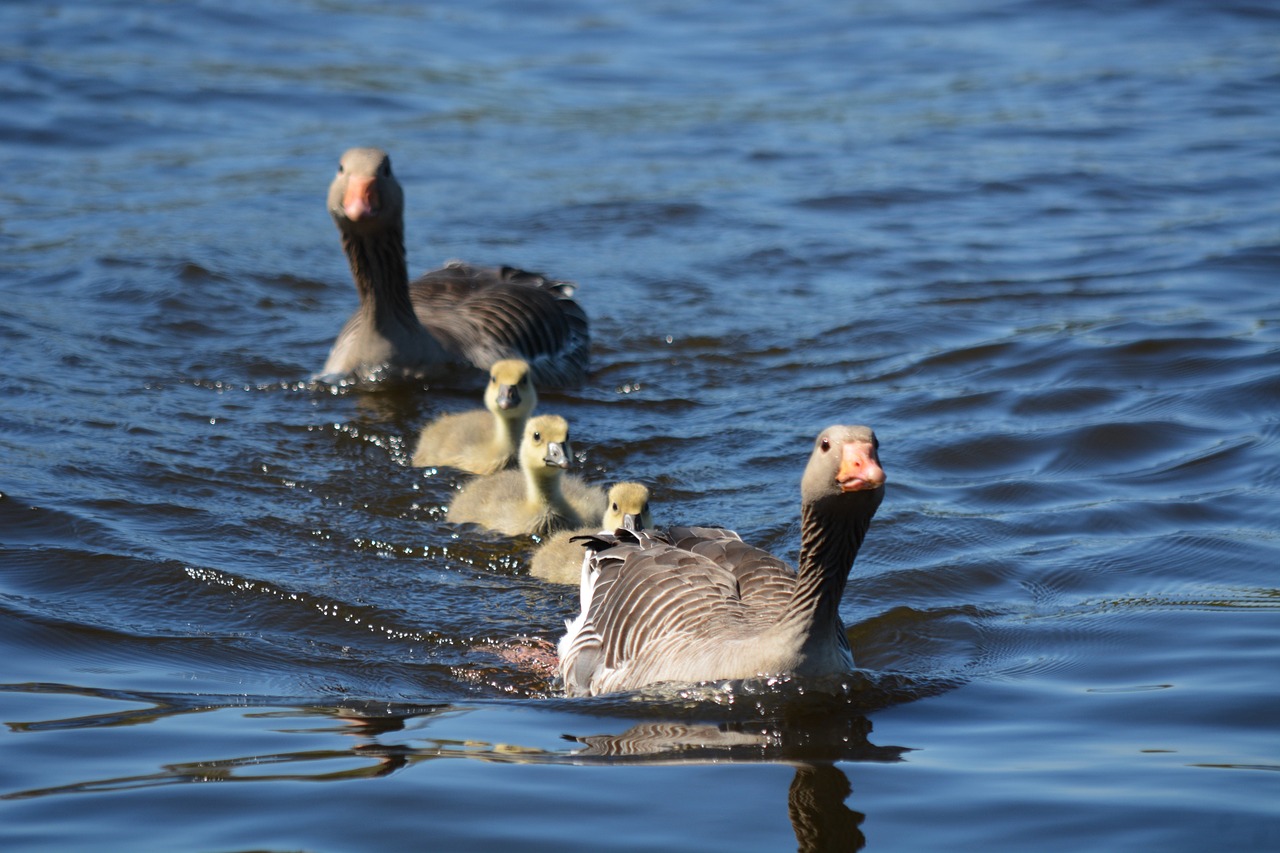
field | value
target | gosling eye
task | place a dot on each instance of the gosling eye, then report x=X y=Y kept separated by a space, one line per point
x=615 y=506
x=825 y=444
x=537 y=436
x=341 y=168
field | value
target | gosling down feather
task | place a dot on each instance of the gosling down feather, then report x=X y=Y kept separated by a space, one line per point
x=699 y=604
x=482 y=442
x=455 y=320
x=559 y=559
x=539 y=498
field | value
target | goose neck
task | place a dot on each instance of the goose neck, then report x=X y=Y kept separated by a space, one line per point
x=381 y=274
x=827 y=551
x=507 y=431
x=543 y=491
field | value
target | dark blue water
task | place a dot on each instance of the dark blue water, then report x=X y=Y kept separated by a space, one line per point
x=1034 y=244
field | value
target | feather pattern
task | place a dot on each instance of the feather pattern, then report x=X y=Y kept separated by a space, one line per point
x=699 y=604
x=456 y=319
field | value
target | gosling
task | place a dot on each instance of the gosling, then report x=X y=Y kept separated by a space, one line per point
x=482 y=442
x=559 y=559
x=539 y=498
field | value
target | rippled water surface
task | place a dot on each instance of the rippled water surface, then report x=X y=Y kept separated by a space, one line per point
x=1036 y=245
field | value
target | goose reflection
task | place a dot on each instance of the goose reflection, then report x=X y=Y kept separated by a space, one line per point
x=821 y=820
x=816 y=798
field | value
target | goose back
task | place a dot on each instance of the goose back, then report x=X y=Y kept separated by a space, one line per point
x=657 y=612
x=482 y=314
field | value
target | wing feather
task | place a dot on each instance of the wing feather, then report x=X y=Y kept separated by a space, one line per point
x=483 y=314
x=655 y=591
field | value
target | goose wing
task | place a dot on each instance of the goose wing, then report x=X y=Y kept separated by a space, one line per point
x=650 y=601
x=483 y=314
x=764 y=582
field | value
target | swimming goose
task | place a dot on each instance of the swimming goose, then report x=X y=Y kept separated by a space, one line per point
x=559 y=559
x=482 y=442
x=538 y=498
x=459 y=318
x=699 y=604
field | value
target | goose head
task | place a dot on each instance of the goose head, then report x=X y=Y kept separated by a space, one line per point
x=364 y=196
x=510 y=394
x=628 y=507
x=844 y=476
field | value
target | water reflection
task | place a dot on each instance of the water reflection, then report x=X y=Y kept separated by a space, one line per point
x=834 y=739
x=821 y=820
x=366 y=740
x=816 y=797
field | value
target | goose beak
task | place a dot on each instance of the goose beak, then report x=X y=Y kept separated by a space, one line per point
x=632 y=521
x=508 y=396
x=360 y=201
x=557 y=454
x=860 y=470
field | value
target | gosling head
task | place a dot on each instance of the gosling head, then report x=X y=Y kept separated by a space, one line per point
x=628 y=507
x=545 y=447
x=510 y=392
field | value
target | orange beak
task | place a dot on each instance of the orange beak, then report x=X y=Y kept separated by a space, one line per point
x=361 y=198
x=859 y=468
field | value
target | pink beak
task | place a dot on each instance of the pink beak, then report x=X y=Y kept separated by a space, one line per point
x=361 y=198
x=859 y=468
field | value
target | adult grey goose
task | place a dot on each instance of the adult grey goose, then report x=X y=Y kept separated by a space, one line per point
x=699 y=604
x=459 y=318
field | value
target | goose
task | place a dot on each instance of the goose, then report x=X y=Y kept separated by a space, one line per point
x=482 y=441
x=537 y=499
x=699 y=604
x=559 y=559
x=451 y=321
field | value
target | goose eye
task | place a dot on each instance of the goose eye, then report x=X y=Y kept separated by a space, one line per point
x=615 y=506
x=825 y=444
x=537 y=436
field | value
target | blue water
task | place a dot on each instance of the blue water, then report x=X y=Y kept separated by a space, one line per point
x=1034 y=244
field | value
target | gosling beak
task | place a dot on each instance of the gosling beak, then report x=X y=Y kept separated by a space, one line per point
x=558 y=454
x=860 y=470
x=360 y=201
x=632 y=521
x=508 y=396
